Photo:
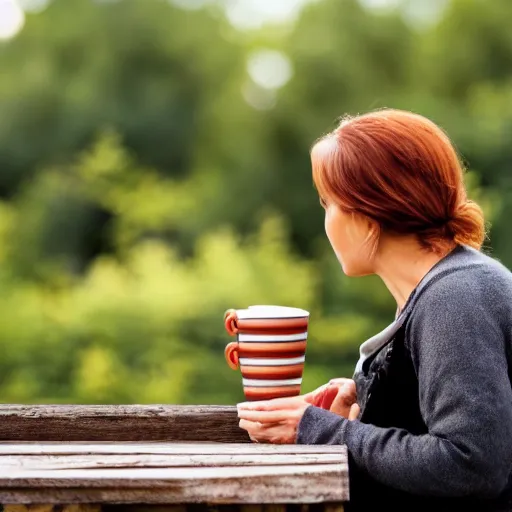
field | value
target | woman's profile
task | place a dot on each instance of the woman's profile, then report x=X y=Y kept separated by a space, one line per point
x=427 y=417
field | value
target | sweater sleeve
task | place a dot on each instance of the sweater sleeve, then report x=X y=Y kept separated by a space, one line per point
x=458 y=350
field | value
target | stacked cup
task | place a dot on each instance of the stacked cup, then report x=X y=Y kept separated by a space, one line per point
x=270 y=349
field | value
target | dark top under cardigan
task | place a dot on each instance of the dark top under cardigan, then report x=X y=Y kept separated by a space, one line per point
x=435 y=428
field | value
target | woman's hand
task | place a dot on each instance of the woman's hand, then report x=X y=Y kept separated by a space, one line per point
x=276 y=421
x=272 y=421
x=337 y=396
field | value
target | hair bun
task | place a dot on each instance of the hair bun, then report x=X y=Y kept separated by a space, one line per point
x=466 y=224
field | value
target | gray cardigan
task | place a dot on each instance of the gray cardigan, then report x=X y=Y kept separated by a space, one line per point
x=459 y=334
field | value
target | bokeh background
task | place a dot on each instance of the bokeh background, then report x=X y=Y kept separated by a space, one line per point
x=154 y=171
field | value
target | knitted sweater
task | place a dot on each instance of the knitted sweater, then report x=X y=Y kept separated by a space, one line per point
x=458 y=335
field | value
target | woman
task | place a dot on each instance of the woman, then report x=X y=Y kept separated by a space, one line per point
x=428 y=421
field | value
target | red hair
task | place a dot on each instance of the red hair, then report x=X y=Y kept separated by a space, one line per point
x=401 y=170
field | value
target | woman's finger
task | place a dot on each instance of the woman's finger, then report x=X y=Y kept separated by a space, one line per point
x=268 y=405
x=354 y=412
x=276 y=433
x=265 y=416
x=330 y=390
x=328 y=396
x=315 y=397
x=344 y=399
x=257 y=432
x=253 y=428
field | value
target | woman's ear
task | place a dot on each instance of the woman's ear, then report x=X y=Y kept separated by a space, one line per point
x=372 y=237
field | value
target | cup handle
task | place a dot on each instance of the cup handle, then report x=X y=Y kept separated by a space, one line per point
x=231 y=353
x=230 y=322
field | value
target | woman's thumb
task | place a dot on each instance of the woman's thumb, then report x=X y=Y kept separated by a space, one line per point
x=354 y=412
x=345 y=397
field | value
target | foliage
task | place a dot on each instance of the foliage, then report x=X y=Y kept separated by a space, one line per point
x=142 y=195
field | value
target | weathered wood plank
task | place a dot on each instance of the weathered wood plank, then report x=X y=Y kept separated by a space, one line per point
x=298 y=487
x=167 y=473
x=120 y=423
x=48 y=455
x=154 y=477
x=154 y=461
x=131 y=448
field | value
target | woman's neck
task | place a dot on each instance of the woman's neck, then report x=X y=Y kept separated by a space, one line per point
x=402 y=263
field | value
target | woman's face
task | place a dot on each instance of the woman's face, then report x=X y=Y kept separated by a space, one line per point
x=351 y=238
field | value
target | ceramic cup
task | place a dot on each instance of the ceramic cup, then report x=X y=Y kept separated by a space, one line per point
x=270 y=349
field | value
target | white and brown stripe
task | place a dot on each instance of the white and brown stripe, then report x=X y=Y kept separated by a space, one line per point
x=259 y=393
x=272 y=363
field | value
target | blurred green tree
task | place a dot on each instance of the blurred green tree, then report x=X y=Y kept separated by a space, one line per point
x=148 y=182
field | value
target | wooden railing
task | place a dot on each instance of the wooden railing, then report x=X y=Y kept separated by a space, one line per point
x=92 y=457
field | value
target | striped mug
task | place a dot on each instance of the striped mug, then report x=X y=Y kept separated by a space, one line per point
x=270 y=349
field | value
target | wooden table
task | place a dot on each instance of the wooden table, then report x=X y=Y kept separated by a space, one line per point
x=87 y=458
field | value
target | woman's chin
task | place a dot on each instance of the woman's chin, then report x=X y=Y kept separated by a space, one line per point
x=348 y=269
x=354 y=270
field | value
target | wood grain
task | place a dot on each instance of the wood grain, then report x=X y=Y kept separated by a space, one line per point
x=120 y=423
x=258 y=489
x=160 y=461
x=80 y=447
x=129 y=447
x=172 y=473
